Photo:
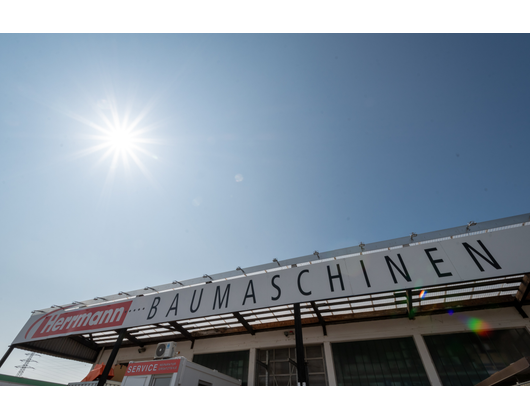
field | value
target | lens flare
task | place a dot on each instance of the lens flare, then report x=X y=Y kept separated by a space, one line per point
x=422 y=294
x=478 y=326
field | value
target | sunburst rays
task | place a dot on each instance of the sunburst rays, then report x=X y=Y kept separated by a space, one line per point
x=119 y=140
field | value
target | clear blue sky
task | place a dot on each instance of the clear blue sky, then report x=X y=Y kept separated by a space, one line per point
x=254 y=147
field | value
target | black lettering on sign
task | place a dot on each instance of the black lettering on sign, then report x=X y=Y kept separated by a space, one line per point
x=174 y=305
x=339 y=276
x=405 y=274
x=434 y=262
x=218 y=296
x=193 y=300
x=492 y=262
x=300 y=286
x=152 y=311
x=276 y=287
x=365 y=274
x=252 y=295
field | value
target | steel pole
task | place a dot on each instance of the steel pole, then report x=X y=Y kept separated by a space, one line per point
x=8 y=352
x=112 y=357
x=300 y=356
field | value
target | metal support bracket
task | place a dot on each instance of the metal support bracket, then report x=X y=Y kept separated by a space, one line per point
x=244 y=322
x=263 y=365
x=522 y=294
x=410 y=308
x=320 y=318
x=183 y=331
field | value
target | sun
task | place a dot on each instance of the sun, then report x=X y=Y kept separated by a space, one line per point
x=120 y=139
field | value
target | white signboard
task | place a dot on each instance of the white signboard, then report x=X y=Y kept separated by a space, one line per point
x=473 y=257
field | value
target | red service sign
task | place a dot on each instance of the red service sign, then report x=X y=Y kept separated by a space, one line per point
x=156 y=367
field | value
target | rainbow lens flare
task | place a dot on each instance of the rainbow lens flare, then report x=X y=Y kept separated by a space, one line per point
x=422 y=294
x=478 y=326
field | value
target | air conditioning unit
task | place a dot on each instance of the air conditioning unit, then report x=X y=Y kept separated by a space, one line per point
x=166 y=350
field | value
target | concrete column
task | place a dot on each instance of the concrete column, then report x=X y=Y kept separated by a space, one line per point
x=328 y=357
x=425 y=356
x=252 y=367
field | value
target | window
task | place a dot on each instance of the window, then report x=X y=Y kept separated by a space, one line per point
x=469 y=358
x=233 y=363
x=161 y=380
x=204 y=383
x=281 y=372
x=393 y=361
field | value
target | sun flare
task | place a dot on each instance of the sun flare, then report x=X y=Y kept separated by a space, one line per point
x=120 y=140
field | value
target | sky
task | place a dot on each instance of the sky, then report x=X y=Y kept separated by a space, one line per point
x=129 y=161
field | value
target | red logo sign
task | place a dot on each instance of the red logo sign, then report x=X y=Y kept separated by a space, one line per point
x=156 y=367
x=87 y=319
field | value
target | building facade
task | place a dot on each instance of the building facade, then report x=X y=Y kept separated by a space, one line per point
x=459 y=348
x=442 y=308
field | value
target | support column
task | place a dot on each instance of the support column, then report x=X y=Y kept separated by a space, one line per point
x=300 y=355
x=252 y=368
x=8 y=352
x=328 y=357
x=112 y=357
x=425 y=356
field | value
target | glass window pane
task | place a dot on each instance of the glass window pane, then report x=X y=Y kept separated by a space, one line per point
x=234 y=363
x=281 y=368
x=162 y=381
x=315 y=366
x=281 y=354
x=317 y=380
x=469 y=358
x=282 y=380
x=283 y=373
x=379 y=362
x=313 y=351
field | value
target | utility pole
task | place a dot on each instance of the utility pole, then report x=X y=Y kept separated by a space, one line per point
x=26 y=363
